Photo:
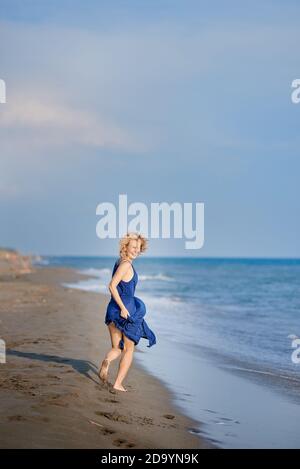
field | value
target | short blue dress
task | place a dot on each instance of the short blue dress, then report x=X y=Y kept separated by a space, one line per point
x=135 y=326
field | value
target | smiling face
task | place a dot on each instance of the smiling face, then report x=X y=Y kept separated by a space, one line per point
x=133 y=248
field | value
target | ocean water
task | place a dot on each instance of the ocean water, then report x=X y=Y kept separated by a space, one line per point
x=224 y=331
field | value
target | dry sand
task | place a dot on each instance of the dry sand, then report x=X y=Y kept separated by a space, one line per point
x=50 y=394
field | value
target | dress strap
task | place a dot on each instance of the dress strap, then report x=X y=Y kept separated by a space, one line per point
x=124 y=260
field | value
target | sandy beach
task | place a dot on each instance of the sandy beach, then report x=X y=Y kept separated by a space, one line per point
x=50 y=394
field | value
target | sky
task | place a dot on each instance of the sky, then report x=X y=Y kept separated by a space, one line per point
x=165 y=101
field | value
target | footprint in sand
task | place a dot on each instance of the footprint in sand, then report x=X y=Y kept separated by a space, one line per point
x=105 y=385
x=56 y=400
x=16 y=418
x=145 y=421
x=113 y=401
x=107 y=431
x=53 y=376
x=114 y=416
x=59 y=403
x=169 y=416
x=120 y=442
x=103 y=430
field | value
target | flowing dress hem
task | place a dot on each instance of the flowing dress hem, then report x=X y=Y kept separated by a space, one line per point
x=122 y=330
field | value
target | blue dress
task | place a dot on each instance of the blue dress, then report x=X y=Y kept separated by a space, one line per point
x=135 y=326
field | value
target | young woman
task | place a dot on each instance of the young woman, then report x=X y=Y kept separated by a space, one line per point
x=125 y=312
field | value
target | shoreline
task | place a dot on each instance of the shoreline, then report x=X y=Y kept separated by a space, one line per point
x=51 y=396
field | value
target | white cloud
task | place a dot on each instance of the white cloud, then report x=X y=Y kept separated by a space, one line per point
x=46 y=123
x=163 y=86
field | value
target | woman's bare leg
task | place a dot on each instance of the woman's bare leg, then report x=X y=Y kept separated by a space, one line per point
x=125 y=363
x=113 y=353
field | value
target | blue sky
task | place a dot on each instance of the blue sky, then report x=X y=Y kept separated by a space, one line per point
x=163 y=101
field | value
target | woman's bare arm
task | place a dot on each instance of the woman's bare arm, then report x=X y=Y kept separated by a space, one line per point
x=117 y=277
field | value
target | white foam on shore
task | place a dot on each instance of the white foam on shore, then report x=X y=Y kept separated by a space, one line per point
x=95 y=272
x=88 y=285
x=159 y=276
x=40 y=261
x=91 y=284
x=104 y=276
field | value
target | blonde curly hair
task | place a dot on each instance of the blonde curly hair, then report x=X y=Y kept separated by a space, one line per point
x=125 y=240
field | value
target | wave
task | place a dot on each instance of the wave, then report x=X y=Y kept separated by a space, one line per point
x=107 y=272
x=163 y=301
x=157 y=277
x=40 y=261
x=88 y=286
x=94 y=272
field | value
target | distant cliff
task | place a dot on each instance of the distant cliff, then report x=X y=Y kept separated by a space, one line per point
x=13 y=263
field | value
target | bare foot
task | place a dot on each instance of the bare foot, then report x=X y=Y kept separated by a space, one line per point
x=119 y=388
x=104 y=370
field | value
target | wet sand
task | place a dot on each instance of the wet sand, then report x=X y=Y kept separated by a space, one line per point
x=50 y=394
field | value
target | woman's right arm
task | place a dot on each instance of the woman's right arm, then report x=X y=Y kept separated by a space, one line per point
x=117 y=277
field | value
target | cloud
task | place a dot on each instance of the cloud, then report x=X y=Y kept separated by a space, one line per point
x=173 y=91
x=46 y=124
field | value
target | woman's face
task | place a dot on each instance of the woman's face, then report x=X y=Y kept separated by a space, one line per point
x=134 y=248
